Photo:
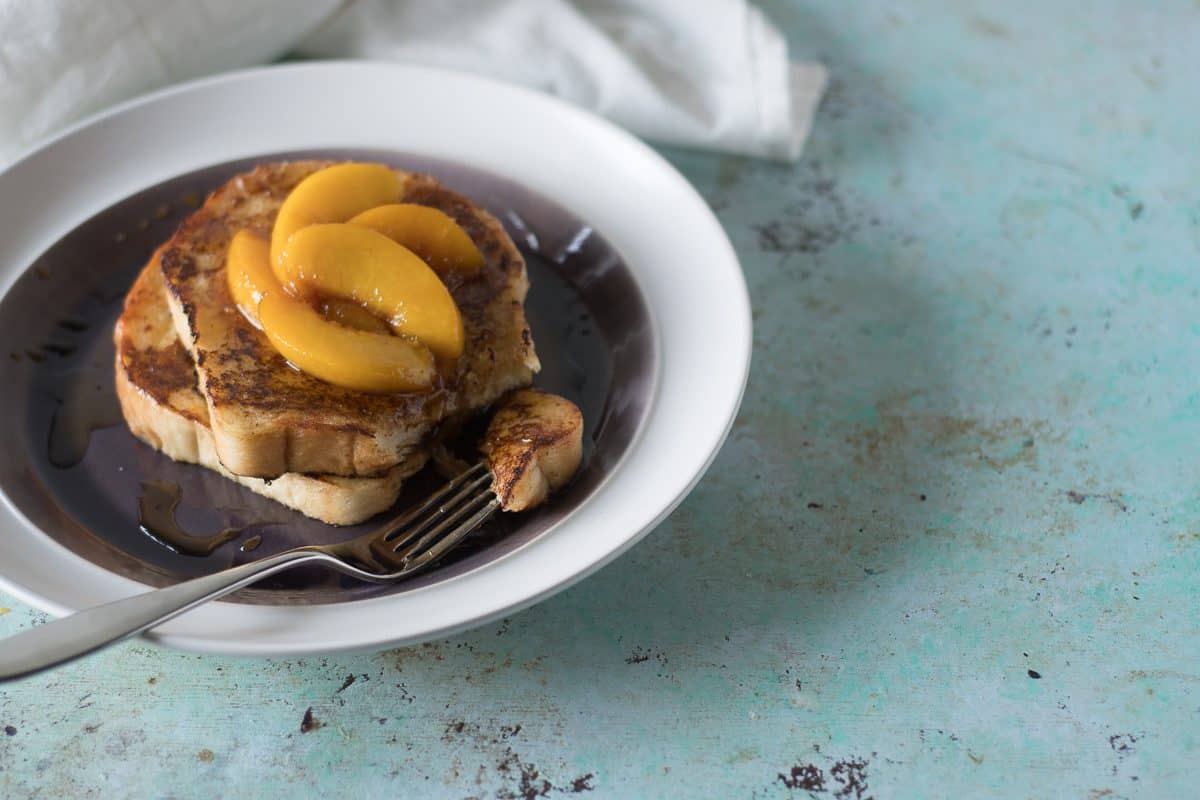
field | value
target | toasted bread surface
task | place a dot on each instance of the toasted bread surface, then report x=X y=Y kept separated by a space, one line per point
x=267 y=418
x=156 y=386
x=533 y=446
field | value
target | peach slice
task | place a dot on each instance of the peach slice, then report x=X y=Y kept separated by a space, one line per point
x=428 y=232
x=367 y=362
x=352 y=315
x=356 y=359
x=334 y=194
x=248 y=271
x=359 y=264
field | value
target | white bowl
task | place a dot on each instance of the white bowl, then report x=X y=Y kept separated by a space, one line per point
x=662 y=228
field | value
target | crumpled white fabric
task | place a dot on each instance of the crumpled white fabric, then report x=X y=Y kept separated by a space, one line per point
x=61 y=60
x=712 y=74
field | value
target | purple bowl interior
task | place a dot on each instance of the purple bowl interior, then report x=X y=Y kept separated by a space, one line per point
x=75 y=471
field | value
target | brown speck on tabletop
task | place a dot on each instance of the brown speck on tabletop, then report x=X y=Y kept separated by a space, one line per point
x=582 y=784
x=638 y=656
x=9 y=730
x=1033 y=673
x=806 y=777
x=1122 y=742
x=852 y=775
x=310 y=723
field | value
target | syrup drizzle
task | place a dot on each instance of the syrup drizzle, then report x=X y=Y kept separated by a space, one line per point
x=156 y=518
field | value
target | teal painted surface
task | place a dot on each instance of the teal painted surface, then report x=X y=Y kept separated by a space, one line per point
x=967 y=452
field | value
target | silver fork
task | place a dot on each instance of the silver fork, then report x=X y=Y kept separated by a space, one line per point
x=396 y=550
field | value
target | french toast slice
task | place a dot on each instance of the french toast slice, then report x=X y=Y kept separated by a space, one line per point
x=156 y=386
x=533 y=446
x=268 y=418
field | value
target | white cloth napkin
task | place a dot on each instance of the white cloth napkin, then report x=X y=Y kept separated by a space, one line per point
x=712 y=74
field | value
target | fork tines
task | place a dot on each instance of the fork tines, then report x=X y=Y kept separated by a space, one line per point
x=427 y=532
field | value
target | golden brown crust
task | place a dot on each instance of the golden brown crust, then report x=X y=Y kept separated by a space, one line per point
x=156 y=386
x=268 y=418
x=149 y=351
x=533 y=446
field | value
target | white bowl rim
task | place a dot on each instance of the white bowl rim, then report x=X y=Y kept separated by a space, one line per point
x=701 y=373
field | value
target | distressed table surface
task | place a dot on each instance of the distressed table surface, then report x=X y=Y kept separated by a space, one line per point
x=951 y=547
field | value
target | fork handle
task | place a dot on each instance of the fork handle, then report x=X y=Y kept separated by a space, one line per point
x=62 y=640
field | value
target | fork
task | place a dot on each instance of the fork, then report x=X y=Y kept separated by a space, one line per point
x=396 y=550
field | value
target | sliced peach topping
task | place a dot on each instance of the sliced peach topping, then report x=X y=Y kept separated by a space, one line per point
x=352 y=315
x=248 y=271
x=367 y=362
x=334 y=194
x=359 y=264
x=338 y=352
x=347 y=289
x=429 y=232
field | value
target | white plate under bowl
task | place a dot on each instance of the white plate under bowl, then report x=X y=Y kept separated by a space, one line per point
x=668 y=237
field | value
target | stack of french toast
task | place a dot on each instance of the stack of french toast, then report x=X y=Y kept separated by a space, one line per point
x=201 y=381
